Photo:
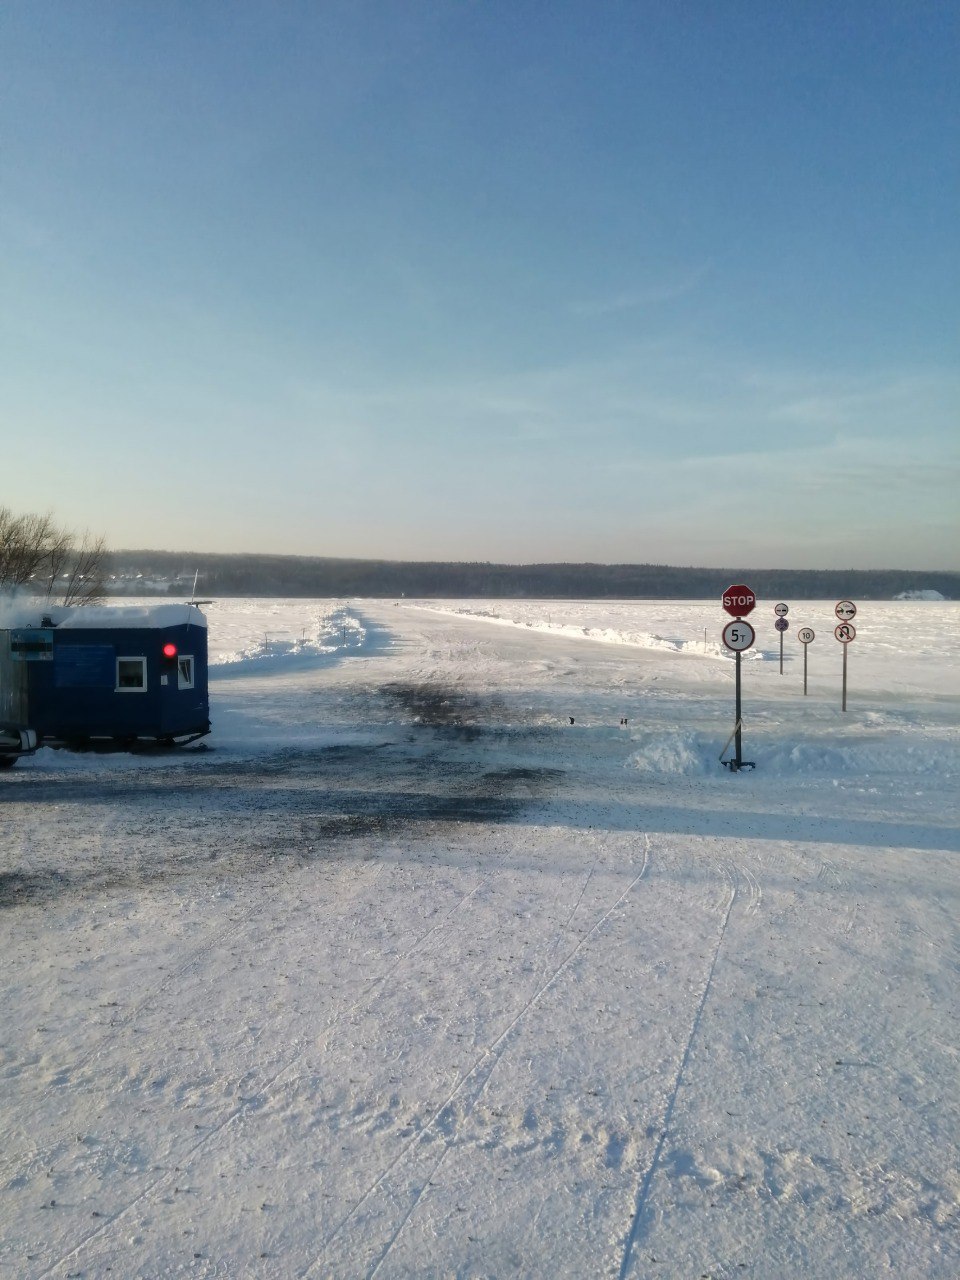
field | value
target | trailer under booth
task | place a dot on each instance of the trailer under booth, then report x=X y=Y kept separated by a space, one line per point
x=123 y=673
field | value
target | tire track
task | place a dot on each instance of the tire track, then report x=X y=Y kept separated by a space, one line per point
x=244 y=1106
x=754 y=889
x=643 y=1190
x=472 y=1086
x=247 y=1105
x=552 y=950
x=254 y=1088
x=118 y=1025
x=476 y=1095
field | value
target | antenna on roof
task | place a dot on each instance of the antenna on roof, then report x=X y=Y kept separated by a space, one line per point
x=193 y=601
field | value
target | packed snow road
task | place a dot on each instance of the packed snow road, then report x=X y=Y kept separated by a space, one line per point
x=434 y=966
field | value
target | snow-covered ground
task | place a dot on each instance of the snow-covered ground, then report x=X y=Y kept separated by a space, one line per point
x=429 y=965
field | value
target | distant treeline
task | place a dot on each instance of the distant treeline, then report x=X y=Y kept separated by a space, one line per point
x=261 y=575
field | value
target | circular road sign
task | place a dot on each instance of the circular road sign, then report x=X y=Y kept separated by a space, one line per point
x=738 y=601
x=845 y=632
x=806 y=635
x=738 y=635
x=846 y=610
x=781 y=610
x=781 y=624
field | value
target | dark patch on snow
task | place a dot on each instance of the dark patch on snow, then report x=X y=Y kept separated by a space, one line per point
x=449 y=712
x=297 y=806
x=533 y=777
x=17 y=887
x=433 y=704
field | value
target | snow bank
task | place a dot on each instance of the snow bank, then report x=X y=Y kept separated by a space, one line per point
x=278 y=647
x=695 y=754
x=674 y=754
x=866 y=757
x=529 y=618
x=900 y=645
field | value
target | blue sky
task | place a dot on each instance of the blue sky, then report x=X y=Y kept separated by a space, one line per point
x=671 y=282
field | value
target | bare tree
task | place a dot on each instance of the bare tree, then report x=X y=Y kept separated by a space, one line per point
x=38 y=555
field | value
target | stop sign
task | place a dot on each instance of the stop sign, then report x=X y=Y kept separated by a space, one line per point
x=738 y=600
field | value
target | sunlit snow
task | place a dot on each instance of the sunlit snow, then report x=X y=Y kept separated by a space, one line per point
x=456 y=952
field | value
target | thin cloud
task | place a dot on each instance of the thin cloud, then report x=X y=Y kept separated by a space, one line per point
x=649 y=296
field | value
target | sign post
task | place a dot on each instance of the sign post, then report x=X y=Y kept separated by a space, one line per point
x=738 y=635
x=781 y=610
x=806 y=636
x=846 y=611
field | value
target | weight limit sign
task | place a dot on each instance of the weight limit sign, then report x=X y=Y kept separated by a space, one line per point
x=738 y=636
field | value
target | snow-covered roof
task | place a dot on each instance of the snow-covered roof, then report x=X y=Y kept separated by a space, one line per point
x=130 y=617
x=133 y=616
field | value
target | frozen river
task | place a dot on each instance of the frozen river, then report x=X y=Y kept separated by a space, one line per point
x=457 y=953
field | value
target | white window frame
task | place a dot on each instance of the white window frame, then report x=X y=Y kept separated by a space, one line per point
x=131 y=688
x=181 y=682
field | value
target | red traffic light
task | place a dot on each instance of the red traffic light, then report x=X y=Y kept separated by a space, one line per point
x=169 y=650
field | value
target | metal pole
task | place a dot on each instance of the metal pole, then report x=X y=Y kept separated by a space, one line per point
x=739 y=759
x=781 y=653
x=844 y=678
x=805 y=648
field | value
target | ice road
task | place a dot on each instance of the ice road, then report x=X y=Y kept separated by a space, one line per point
x=459 y=954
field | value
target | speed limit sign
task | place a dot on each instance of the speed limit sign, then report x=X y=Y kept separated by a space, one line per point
x=738 y=635
x=806 y=636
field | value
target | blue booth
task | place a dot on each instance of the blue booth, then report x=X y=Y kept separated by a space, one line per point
x=124 y=673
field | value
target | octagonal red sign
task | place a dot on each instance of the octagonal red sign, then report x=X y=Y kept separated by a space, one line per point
x=739 y=600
